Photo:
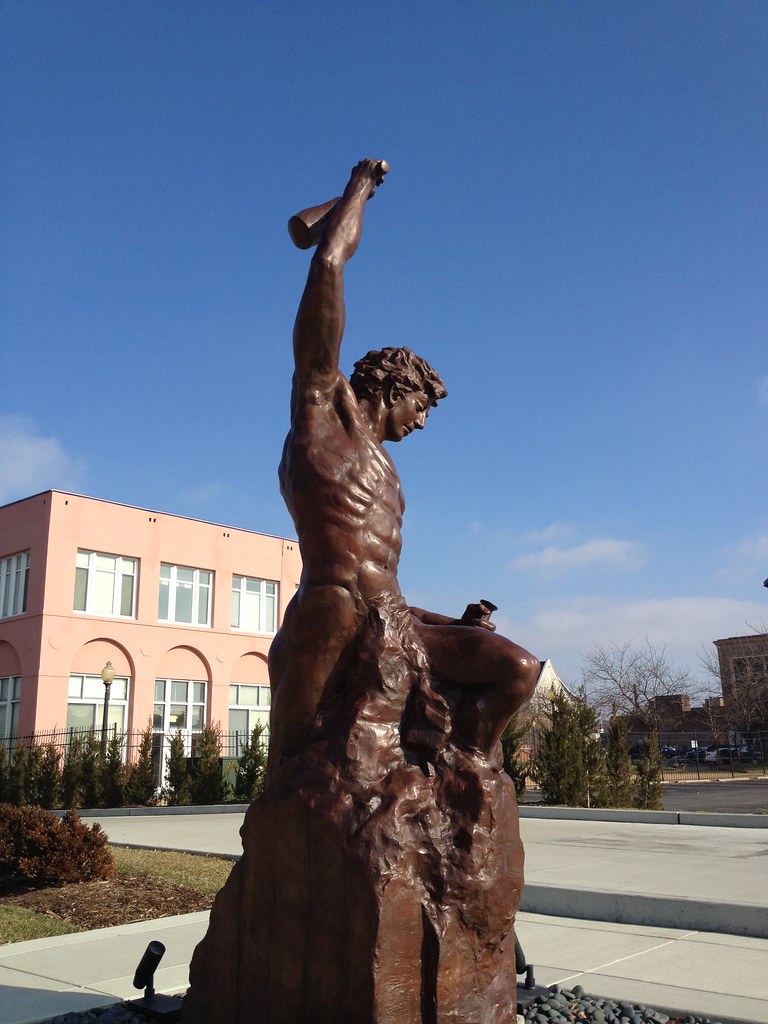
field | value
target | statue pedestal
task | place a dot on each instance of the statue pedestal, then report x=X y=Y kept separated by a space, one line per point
x=371 y=890
x=396 y=911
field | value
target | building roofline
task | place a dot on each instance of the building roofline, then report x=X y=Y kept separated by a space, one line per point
x=141 y=508
x=745 y=636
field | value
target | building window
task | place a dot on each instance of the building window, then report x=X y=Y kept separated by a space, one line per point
x=14 y=583
x=105 y=584
x=179 y=707
x=254 y=605
x=185 y=595
x=248 y=706
x=85 y=709
x=10 y=695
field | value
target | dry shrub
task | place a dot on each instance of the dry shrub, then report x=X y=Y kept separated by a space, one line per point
x=43 y=849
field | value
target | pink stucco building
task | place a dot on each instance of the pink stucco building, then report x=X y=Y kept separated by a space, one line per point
x=184 y=610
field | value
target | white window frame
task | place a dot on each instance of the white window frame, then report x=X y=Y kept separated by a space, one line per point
x=171 y=585
x=10 y=699
x=241 y=699
x=87 y=690
x=121 y=571
x=167 y=696
x=267 y=591
x=14 y=584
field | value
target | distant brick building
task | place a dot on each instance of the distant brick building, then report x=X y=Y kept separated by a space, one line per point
x=744 y=677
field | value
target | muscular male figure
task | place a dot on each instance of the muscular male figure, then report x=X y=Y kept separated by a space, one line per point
x=344 y=495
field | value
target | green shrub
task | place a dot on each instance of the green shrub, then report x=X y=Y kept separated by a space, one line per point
x=46 y=850
x=141 y=787
x=176 y=789
x=570 y=767
x=72 y=773
x=207 y=785
x=3 y=774
x=251 y=767
x=618 y=762
x=516 y=769
x=49 y=782
x=92 y=771
x=649 y=784
x=41 y=777
x=17 y=777
x=112 y=779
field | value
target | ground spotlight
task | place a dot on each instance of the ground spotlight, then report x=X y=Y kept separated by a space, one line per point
x=162 y=1008
x=145 y=972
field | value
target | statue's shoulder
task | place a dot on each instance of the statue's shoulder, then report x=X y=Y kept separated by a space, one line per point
x=336 y=398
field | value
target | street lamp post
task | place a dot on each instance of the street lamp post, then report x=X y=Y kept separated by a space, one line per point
x=107 y=675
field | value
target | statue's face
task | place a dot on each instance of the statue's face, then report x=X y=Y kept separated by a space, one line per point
x=406 y=415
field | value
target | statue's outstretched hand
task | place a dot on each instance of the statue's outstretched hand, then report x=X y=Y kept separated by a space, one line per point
x=479 y=615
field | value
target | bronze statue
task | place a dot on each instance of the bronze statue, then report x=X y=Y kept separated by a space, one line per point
x=382 y=866
x=344 y=496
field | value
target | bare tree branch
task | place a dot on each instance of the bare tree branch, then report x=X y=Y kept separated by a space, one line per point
x=631 y=676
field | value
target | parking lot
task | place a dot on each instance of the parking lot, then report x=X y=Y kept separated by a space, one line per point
x=738 y=796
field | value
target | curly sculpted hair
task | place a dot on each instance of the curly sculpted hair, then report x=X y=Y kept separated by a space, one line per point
x=395 y=372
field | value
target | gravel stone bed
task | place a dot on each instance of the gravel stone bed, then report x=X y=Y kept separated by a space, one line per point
x=555 y=1005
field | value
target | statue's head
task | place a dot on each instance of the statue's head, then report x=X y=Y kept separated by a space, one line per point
x=394 y=373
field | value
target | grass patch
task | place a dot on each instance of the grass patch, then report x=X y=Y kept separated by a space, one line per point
x=206 y=874
x=148 y=884
x=17 y=924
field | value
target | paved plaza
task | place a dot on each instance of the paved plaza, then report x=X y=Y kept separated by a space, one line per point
x=636 y=875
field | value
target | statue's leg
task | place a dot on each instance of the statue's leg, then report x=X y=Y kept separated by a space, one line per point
x=495 y=677
x=319 y=623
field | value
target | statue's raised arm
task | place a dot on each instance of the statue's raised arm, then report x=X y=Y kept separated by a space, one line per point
x=320 y=320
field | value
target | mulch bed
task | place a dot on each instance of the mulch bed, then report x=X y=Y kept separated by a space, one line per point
x=119 y=900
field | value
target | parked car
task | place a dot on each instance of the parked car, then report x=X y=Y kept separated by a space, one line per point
x=727 y=755
x=697 y=754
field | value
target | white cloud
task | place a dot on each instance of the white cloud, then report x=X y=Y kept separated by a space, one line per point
x=762 y=388
x=601 y=551
x=549 y=534
x=567 y=629
x=30 y=463
x=748 y=558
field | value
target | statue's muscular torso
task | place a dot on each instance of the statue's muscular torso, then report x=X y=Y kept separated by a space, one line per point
x=343 y=494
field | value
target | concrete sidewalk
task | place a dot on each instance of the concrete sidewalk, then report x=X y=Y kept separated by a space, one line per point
x=675 y=876
x=631 y=869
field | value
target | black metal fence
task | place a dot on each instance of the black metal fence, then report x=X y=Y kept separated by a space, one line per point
x=688 y=756
x=231 y=744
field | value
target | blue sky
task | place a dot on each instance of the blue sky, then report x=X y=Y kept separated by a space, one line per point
x=573 y=232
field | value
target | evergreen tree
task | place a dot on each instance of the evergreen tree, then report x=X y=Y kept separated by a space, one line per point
x=112 y=780
x=208 y=785
x=34 y=770
x=251 y=767
x=570 y=767
x=176 y=789
x=50 y=777
x=72 y=773
x=17 y=777
x=619 y=782
x=4 y=780
x=516 y=769
x=141 y=787
x=592 y=752
x=92 y=770
x=649 y=782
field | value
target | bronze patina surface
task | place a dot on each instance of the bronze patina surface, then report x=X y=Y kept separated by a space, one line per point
x=382 y=867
